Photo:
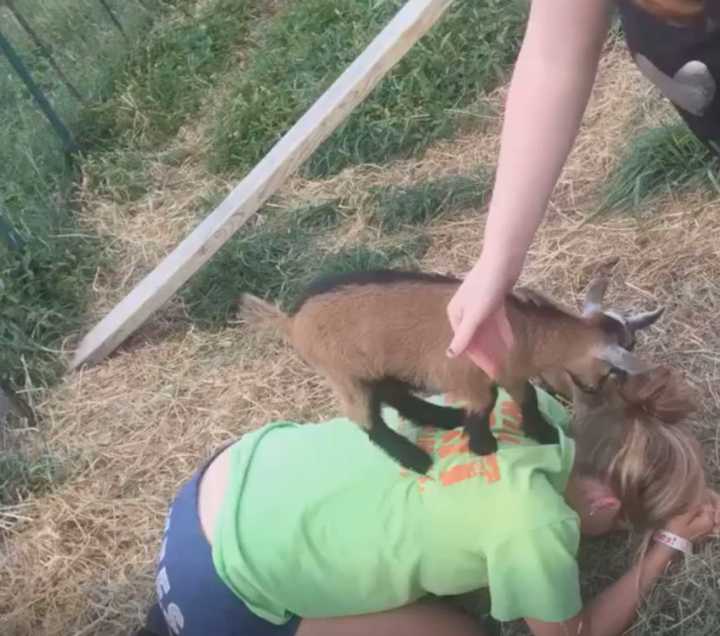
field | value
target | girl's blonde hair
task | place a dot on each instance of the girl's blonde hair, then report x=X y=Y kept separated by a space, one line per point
x=673 y=9
x=638 y=441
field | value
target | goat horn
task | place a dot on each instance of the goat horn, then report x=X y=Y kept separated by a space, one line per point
x=644 y=319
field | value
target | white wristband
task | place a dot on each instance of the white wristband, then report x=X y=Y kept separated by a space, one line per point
x=673 y=541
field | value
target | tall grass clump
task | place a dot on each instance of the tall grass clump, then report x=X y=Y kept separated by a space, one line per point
x=660 y=160
x=309 y=45
x=396 y=207
x=138 y=86
x=47 y=262
x=166 y=78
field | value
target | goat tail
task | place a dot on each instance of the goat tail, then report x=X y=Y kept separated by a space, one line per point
x=262 y=315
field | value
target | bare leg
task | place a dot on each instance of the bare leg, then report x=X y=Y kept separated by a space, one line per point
x=419 y=619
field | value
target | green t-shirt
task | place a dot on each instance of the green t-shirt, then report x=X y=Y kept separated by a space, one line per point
x=319 y=522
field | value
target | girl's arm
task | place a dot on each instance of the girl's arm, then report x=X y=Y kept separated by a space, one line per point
x=612 y=611
x=550 y=88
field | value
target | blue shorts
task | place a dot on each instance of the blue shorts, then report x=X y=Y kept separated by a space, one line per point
x=192 y=599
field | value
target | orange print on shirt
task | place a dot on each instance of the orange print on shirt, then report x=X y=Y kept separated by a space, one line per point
x=454 y=449
x=426 y=440
x=486 y=467
x=451 y=436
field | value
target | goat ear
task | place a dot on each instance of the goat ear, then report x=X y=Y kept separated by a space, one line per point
x=598 y=286
x=594 y=296
x=622 y=360
x=644 y=319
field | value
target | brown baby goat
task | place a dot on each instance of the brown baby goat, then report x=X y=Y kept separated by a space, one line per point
x=379 y=336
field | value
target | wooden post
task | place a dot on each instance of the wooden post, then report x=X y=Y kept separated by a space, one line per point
x=9 y=235
x=328 y=112
x=43 y=49
x=38 y=95
x=11 y=404
x=113 y=18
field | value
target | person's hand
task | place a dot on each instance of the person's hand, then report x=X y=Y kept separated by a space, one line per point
x=699 y=522
x=478 y=317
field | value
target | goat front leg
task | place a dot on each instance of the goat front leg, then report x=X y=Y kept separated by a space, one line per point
x=477 y=427
x=534 y=424
x=401 y=449
x=399 y=396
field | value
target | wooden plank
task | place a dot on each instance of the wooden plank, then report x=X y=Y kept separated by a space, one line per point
x=328 y=112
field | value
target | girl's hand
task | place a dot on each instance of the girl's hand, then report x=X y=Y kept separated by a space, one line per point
x=700 y=522
x=478 y=317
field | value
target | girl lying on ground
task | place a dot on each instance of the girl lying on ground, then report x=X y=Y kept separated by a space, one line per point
x=281 y=535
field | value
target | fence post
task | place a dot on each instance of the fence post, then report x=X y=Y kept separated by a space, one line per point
x=43 y=48
x=114 y=19
x=9 y=235
x=42 y=101
x=11 y=404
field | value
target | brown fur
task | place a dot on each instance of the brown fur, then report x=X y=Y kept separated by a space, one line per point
x=360 y=333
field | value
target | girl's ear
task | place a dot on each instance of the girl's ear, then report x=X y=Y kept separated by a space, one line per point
x=604 y=503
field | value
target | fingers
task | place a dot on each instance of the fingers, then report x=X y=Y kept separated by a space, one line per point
x=479 y=321
x=703 y=522
x=464 y=333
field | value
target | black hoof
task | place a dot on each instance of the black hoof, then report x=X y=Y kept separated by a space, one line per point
x=401 y=449
x=547 y=435
x=481 y=440
x=483 y=445
x=417 y=460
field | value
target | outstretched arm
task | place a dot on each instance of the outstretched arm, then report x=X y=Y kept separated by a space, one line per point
x=550 y=88
x=612 y=611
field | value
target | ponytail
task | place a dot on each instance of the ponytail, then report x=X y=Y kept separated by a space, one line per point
x=641 y=444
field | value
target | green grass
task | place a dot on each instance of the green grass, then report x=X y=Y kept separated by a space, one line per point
x=307 y=47
x=21 y=476
x=279 y=256
x=659 y=161
x=166 y=79
x=47 y=270
x=138 y=94
x=27 y=465
x=43 y=292
x=399 y=206
x=287 y=248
